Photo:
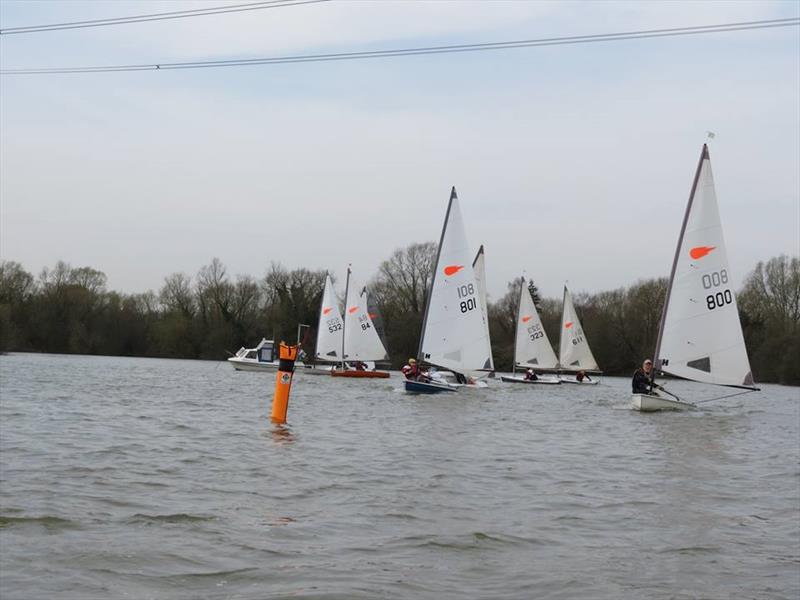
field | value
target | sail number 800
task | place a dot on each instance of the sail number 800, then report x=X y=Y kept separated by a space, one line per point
x=719 y=299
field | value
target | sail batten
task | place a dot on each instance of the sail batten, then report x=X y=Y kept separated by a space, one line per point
x=700 y=334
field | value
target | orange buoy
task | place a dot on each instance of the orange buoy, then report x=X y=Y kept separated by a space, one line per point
x=280 y=402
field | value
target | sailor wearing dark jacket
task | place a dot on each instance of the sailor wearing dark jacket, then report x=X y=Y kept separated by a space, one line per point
x=643 y=378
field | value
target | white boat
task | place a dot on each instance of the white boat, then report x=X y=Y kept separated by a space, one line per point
x=521 y=379
x=574 y=353
x=360 y=342
x=651 y=403
x=532 y=349
x=700 y=336
x=454 y=335
x=574 y=380
x=264 y=357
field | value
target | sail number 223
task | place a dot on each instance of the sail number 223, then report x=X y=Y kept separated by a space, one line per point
x=467 y=291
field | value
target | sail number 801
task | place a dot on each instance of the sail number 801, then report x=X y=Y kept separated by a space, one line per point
x=464 y=291
x=719 y=299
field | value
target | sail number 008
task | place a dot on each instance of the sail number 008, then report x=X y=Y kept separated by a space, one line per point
x=464 y=291
x=715 y=279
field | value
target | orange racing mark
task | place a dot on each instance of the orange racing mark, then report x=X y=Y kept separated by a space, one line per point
x=699 y=252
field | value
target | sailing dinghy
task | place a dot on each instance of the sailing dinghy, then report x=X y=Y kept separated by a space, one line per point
x=532 y=349
x=454 y=334
x=700 y=336
x=574 y=354
x=360 y=341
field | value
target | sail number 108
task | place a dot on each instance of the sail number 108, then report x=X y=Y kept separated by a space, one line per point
x=467 y=291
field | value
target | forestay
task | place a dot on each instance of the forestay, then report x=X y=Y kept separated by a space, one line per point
x=329 y=334
x=574 y=352
x=453 y=333
x=361 y=341
x=532 y=348
x=479 y=267
x=700 y=337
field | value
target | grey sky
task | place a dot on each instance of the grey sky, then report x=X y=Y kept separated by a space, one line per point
x=572 y=162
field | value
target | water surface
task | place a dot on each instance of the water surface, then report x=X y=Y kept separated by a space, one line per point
x=143 y=478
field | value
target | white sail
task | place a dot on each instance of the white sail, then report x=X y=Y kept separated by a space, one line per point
x=329 y=334
x=701 y=336
x=574 y=352
x=532 y=349
x=479 y=267
x=361 y=341
x=453 y=333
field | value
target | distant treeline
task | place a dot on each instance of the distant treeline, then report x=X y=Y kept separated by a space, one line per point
x=69 y=310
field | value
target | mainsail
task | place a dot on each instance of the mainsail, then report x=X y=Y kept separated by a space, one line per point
x=329 y=334
x=574 y=352
x=361 y=341
x=453 y=332
x=532 y=349
x=700 y=336
x=479 y=267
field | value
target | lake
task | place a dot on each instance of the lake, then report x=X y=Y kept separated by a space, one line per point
x=147 y=478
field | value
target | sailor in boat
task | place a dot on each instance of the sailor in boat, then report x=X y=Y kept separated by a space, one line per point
x=643 y=379
x=530 y=375
x=359 y=365
x=581 y=375
x=413 y=372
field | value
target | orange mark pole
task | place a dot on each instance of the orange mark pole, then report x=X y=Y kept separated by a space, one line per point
x=280 y=402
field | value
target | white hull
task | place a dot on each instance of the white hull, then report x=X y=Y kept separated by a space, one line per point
x=244 y=364
x=520 y=379
x=648 y=403
x=575 y=381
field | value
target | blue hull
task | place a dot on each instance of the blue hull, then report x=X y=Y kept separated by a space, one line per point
x=420 y=387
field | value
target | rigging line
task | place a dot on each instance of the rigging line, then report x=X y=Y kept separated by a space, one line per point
x=179 y=14
x=555 y=41
x=726 y=396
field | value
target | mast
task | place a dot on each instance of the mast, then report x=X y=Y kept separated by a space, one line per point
x=561 y=327
x=344 y=318
x=433 y=276
x=516 y=324
x=656 y=360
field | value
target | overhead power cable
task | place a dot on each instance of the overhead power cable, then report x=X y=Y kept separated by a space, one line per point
x=178 y=14
x=553 y=41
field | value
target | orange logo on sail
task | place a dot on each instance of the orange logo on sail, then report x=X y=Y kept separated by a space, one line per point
x=352 y=309
x=452 y=269
x=526 y=318
x=568 y=324
x=325 y=311
x=699 y=252
x=372 y=316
